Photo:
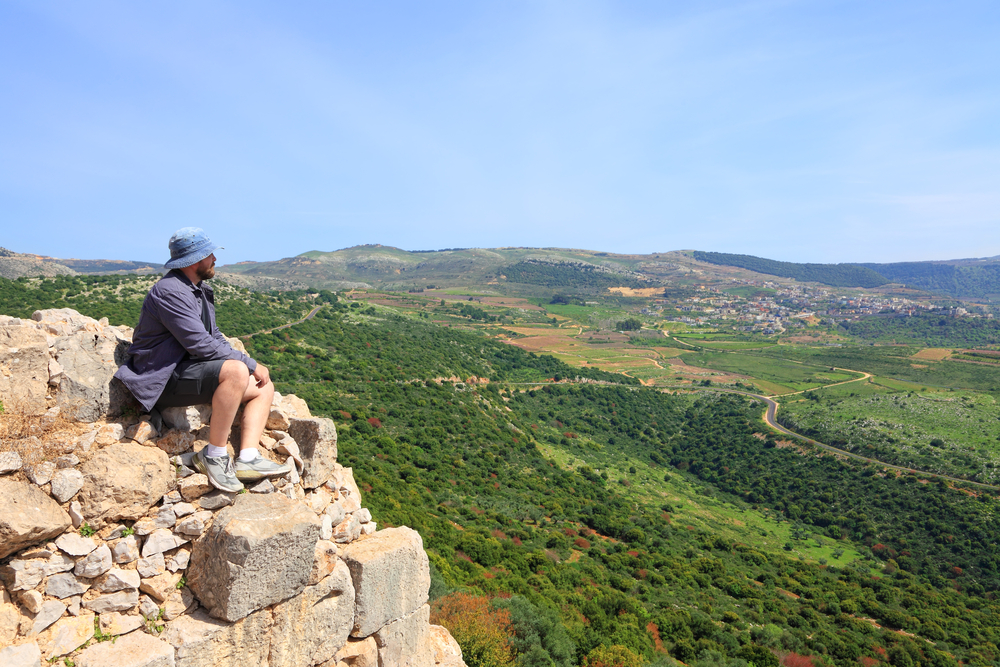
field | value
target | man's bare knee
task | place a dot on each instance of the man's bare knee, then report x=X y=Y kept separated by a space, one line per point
x=234 y=371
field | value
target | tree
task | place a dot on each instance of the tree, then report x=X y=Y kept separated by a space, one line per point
x=614 y=656
x=483 y=633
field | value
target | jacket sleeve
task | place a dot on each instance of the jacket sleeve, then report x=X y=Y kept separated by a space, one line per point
x=179 y=314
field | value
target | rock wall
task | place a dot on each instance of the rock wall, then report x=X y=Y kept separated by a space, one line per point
x=106 y=532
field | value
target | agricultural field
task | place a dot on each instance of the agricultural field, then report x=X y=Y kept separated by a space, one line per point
x=896 y=362
x=949 y=432
x=790 y=376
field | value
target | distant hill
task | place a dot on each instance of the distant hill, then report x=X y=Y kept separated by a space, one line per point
x=394 y=268
x=835 y=275
x=973 y=278
x=16 y=265
x=958 y=278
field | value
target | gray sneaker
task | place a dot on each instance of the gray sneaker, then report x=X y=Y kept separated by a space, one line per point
x=259 y=468
x=220 y=471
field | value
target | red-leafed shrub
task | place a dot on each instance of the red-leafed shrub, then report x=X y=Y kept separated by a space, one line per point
x=345 y=414
x=374 y=421
x=581 y=543
x=796 y=660
x=483 y=633
x=570 y=435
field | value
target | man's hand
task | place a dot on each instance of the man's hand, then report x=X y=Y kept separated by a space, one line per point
x=261 y=375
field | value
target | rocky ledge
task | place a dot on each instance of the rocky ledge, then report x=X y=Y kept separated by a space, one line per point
x=107 y=533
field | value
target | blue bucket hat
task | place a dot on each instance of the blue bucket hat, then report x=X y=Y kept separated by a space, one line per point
x=189 y=246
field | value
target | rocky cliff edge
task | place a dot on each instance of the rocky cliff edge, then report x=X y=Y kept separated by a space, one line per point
x=114 y=551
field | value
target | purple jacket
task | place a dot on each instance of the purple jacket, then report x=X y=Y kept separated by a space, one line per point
x=170 y=328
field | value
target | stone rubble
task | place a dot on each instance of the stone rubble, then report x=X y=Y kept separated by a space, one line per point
x=118 y=529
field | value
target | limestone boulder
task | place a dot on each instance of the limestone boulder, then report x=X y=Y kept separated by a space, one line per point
x=447 y=652
x=126 y=550
x=67 y=635
x=189 y=419
x=24 y=369
x=65 y=484
x=202 y=641
x=75 y=544
x=94 y=564
x=65 y=585
x=161 y=586
x=27 y=516
x=123 y=481
x=51 y=611
x=324 y=561
x=117 y=580
x=134 y=650
x=10 y=462
x=89 y=361
x=407 y=641
x=310 y=627
x=24 y=655
x=391 y=577
x=114 y=623
x=10 y=621
x=258 y=551
x=120 y=601
x=294 y=406
x=317 y=441
x=357 y=653
x=175 y=442
x=22 y=575
x=348 y=495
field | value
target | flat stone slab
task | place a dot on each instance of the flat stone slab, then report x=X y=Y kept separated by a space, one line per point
x=391 y=577
x=27 y=516
x=133 y=650
x=67 y=635
x=123 y=481
x=257 y=552
x=25 y=655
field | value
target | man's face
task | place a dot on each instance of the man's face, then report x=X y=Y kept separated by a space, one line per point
x=205 y=269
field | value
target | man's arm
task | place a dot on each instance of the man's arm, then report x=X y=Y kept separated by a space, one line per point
x=181 y=315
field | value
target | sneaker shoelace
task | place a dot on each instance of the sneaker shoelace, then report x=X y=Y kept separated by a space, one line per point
x=230 y=470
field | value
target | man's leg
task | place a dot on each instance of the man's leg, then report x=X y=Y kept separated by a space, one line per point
x=234 y=379
x=256 y=409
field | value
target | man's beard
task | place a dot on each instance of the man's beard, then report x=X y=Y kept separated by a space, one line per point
x=205 y=272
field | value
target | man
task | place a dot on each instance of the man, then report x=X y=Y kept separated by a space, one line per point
x=178 y=357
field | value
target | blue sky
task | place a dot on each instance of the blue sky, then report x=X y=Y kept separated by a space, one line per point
x=802 y=131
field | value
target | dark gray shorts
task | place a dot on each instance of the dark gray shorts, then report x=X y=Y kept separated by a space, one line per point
x=193 y=382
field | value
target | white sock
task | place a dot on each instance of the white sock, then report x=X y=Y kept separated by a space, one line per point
x=248 y=454
x=216 y=452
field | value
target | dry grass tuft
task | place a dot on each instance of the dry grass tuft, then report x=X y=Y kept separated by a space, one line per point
x=36 y=438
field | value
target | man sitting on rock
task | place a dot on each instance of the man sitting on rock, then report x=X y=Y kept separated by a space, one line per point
x=178 y=357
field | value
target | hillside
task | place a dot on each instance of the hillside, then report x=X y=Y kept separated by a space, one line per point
x=593 y=515
x=393 y=268
x=960 y=278
x=835 y=275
